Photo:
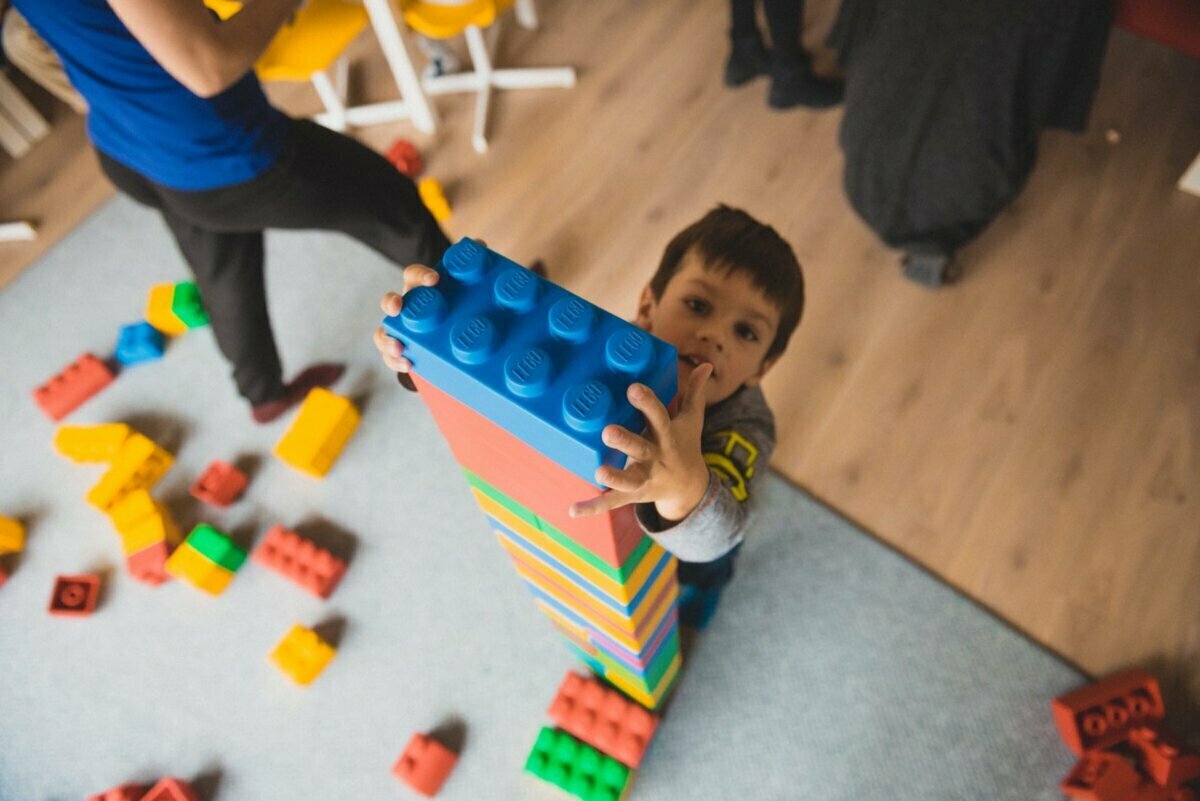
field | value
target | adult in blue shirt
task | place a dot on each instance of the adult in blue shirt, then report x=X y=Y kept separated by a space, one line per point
x=181 y=124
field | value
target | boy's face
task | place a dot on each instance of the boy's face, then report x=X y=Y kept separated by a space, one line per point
x=713 y=316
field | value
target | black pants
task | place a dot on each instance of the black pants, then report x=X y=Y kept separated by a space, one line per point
x=783 y=20
x=323 y=180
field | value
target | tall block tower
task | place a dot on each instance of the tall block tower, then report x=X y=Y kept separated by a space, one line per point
x=521 y=377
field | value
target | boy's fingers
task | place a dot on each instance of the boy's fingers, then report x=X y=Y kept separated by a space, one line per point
x=694 y=393
x=646 y=402
x=419 y=275
x=598 y=506
x=622 y=439
x=630 y=479
x=391 y=304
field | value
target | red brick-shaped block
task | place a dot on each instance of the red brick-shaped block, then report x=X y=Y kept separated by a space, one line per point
x=287 y=553
x=75 y=595
x=124 y=792
x=1103 y=714
x=221 y=484
x=171 y=789
x=425 y=764
x=603 y=718
x=405 y=157
x=68 y=390
x=1101 y=776
x=149 y=564
x=529 y=477
x=1164 y=758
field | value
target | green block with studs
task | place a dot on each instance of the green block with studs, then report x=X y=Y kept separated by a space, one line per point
x=186 y=305
x=577 y=768
x=216 y=547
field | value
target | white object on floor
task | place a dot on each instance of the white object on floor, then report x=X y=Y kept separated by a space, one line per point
x=20 y=123
x=415 y=105
x=1190 y=182
x=17 y=232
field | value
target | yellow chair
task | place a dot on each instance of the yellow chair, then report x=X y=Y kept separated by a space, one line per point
x=469 y=19
x=311 y=48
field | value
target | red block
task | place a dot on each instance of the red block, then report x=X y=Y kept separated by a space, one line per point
x=1102 y=776
x=405 y=157
x=1164 y=758
x=75 y=595
x=287 y=553
x=530 y=478
x=79 y=381
x=1103 y=714
x=603 y=718
x=425 y=764
x=171 y=789
x=221 y=484
x=149 y=564
x=124 y=792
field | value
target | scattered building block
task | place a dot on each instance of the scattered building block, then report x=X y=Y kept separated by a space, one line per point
x=287 y=553
x=98 y=443
x=124 y=792
x=405 y=157
x=207 y=560
x=221 y=484
x=171 y=789
x=142 y=521
x=217 y=547
x=1101 y=776
x=302 y=654
x=149 y=565
x=425 y=765
x=75 y=595
x=603 y=718
x=137 y=343
x=160 y=312
x=434 y=198
x=68 y=390
x=320 y=431
x=1164 y=758
x=12 y=536
x=139 y=464
x=186 y=305
x=1102 y=714
x=576 y=767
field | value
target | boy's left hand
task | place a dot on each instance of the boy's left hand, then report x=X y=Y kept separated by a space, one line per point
x=665 y=467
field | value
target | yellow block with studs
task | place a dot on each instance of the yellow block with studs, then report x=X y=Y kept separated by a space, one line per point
x=99 y=443
x=322 y=428
x=139 y=464
x=302 y=654
x=142 y=521
x=12 y=536
x=434 y=198
x=159 y=312
x=189 y=565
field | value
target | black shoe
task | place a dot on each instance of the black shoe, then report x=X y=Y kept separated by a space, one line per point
x=797 y=85
x=748 y=58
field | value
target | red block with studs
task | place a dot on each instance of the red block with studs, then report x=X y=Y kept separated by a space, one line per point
x=1102 y=714
x=425 y=764
x=603 y=718
x=1102 y=776
x=75 y=595
x=1164 y=758
x=68 y=390
x=171 y=789
x=124 y=792
x=221 y=484
x=149 y=564
x=405 y=157
x=287 y=553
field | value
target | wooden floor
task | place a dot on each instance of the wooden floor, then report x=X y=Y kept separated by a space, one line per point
x=1031 y=435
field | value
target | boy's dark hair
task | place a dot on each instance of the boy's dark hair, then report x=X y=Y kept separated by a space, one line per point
x=731 y=240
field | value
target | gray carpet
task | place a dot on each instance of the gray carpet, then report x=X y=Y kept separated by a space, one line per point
x=834 y=669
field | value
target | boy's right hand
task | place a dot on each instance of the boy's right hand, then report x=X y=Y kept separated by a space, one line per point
x=390 y=349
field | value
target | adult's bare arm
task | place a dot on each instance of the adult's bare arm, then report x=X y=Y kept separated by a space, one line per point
x=201 y=53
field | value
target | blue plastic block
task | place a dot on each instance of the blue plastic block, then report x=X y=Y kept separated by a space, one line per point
x=140 y=342
x=536 y=360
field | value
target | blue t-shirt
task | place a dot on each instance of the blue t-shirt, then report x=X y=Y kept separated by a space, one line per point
x=144 y=118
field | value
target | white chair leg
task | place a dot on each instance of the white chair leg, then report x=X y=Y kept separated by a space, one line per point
x=548 y=77
x=21 y=112
x=341 y=78
x=1190 y=182
x=526 y=12
x=387 y=31
x=335 y=110
x=482 y=61
x=12 y=138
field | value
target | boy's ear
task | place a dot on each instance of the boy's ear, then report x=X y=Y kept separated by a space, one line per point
x=756 y=379
x=645 y=310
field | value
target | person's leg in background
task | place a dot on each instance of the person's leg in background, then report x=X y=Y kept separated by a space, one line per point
x=32 y=56
x=793 y=82
x=748 y=57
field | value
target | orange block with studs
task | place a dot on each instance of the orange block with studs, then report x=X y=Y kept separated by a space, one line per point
x=68 y=390
x=171 y=789
x=425 y=765
x=603 y=718
x=1101 y=776
x=1164 y=758
x=75 y=596
x=287 y=553
x=149 y=565
x=221 y=484
x=405 y=157
x=1103 y=714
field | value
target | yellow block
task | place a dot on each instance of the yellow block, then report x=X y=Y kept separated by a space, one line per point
x=99 y=443
x=12 y=535
x=195 y=568
x=319 y=433
x=138 y=465
x=302 y=654
x=434 y=198
x=142 y=522
x=159 y=313
x=310 y=42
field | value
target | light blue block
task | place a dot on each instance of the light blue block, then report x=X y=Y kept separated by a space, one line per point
x=139 y=342
x=545 y=365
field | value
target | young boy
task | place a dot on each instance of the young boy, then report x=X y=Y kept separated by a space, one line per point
x=727 y=294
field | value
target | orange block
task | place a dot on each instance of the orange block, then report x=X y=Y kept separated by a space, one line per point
x=603 y=718
x=68 y=390
x=1164 y=758
x=1103 y=714
x=425 y=765
x=1101 y=776
x=287 y=553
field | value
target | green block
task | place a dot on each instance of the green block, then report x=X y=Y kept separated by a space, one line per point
x=216 y=547
x=186 y=305
x=576 y=767
x=620 y=575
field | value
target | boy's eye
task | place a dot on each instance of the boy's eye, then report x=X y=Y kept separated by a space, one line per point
x=696 y=304
x=747 y=333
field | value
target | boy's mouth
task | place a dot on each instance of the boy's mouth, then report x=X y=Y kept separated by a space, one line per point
x=695 y=361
